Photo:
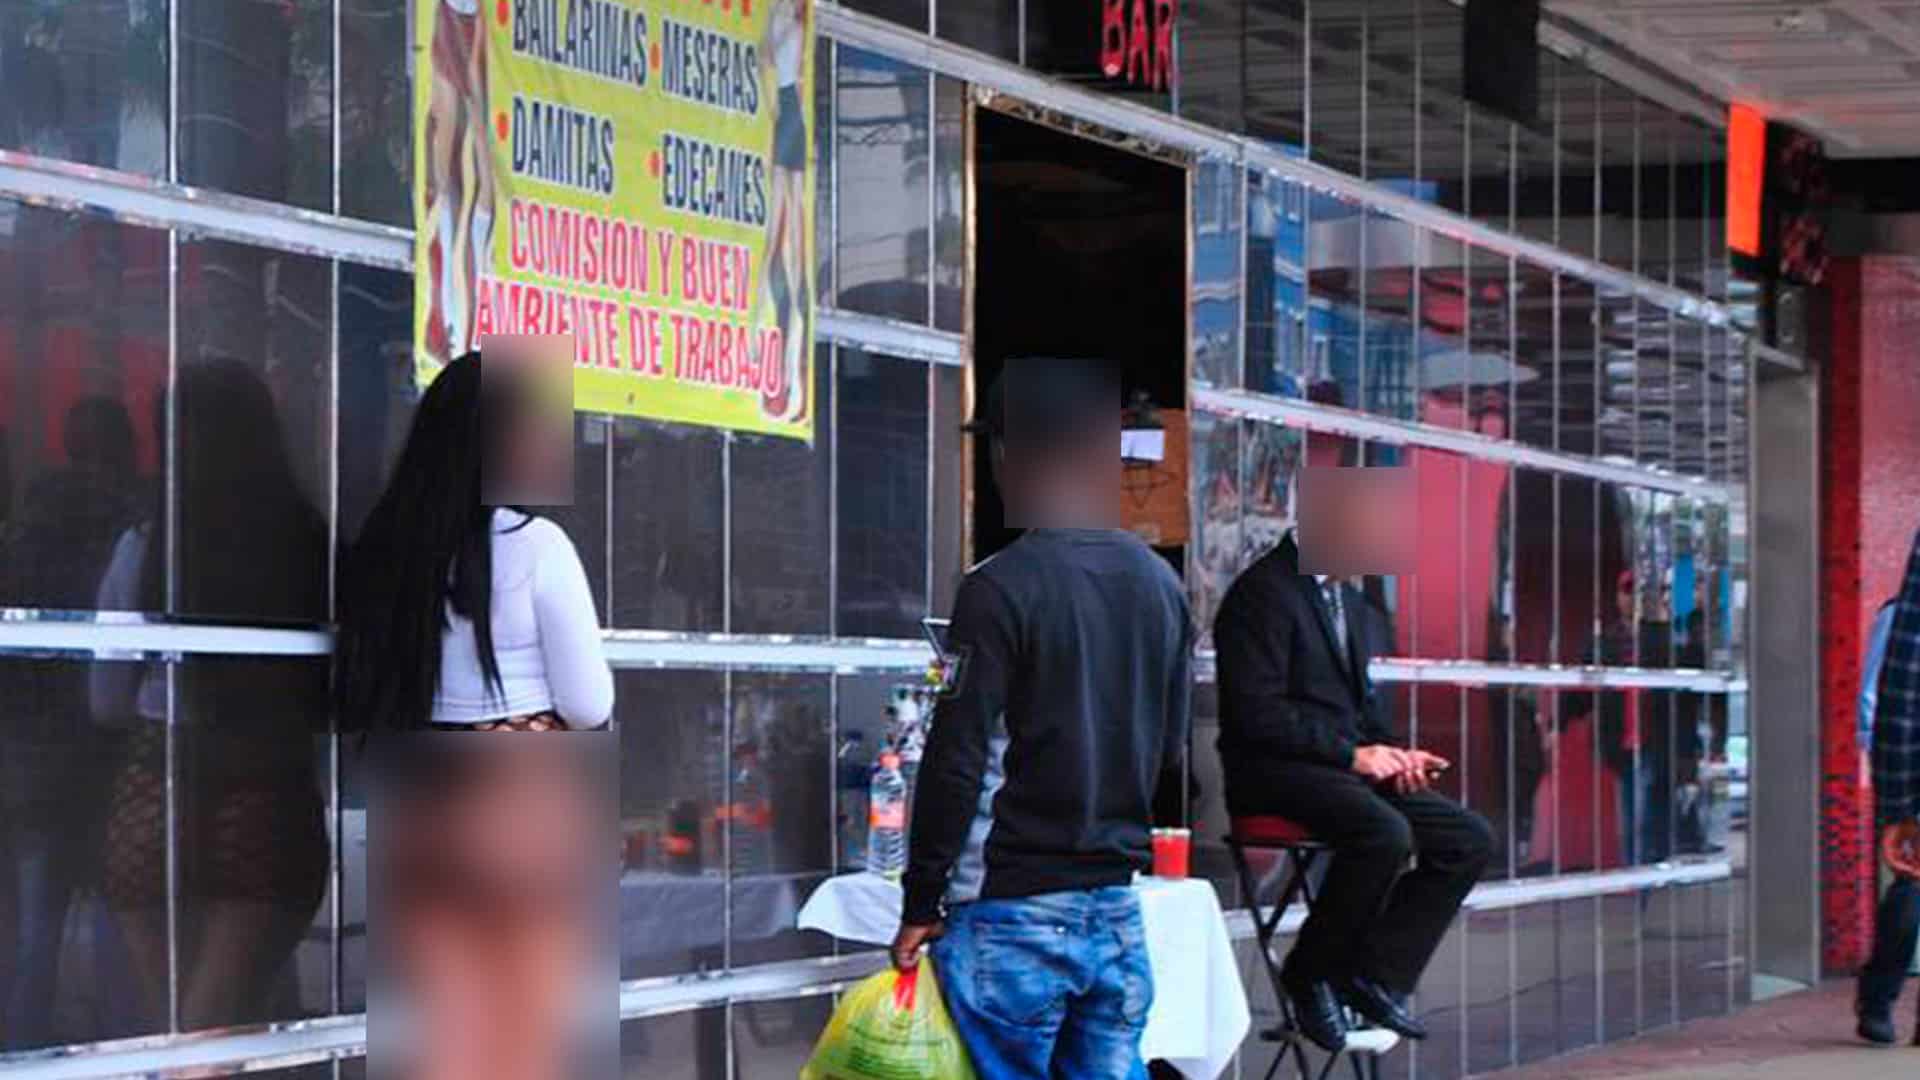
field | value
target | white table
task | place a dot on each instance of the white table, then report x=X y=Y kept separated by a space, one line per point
x=1199 y=1014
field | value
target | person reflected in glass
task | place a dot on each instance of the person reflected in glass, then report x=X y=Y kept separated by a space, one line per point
x=458 y=611
x=248 y=833
x=52 y=555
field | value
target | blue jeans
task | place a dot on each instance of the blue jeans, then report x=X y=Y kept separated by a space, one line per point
x=1052 y=987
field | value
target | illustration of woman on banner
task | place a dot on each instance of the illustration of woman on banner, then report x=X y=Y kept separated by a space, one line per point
x=459 y=176
x=788 y=264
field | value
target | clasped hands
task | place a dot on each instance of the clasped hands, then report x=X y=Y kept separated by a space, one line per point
x=1405 y=771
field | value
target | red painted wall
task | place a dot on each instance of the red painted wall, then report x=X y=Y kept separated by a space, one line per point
x=1870 y=496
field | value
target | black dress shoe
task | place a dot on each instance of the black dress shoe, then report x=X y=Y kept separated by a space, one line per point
x=1316 y=1012
x=1380 y=1005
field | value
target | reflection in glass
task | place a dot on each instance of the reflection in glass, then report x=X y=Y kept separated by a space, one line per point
x=376 y=385
x=773 y=1039
x=1217 y=247
x=1276 y=47
x=376 y=113
x=779 y=819
x=1490 y=958
x=1537 y=321
x=673 y=784
x=1442 y=153
x=781 y=550
x=949 y=201
x=949 y=501
x=249 y=844
x=1619 y=966
x=668 y=502
x=1437 y=605
x=1536 y=157
x=1388 y=339
x=1276 y=302
x=253 y=431
x=675 y=1046
x=1337 y=120
x=1577 y=400
x=1333 y=371
x=826 y=223
x=1212 y=48
x=256 y=97
x=1392 y=93
x=883 y=489
x=58 y=753
x=988 y=26
x=88 y=83
x=585 y=518
x=883 y=122
x=1618 y=113
x=82 y=379
x=1221 y=548
x=1577 y=133
x=1450 y=385
x=908 y=13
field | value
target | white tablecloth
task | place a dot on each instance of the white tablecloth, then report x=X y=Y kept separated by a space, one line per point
x=1199 y=1014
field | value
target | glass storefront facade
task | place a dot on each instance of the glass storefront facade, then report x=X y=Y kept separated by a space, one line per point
x=205 y=368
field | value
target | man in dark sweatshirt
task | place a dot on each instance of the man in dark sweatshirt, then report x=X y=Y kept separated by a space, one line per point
x=1068 y=707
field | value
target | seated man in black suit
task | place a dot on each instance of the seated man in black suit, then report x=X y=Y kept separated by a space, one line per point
x=1302 y=738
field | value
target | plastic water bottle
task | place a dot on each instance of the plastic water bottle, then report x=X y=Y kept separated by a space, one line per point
x=887 y=817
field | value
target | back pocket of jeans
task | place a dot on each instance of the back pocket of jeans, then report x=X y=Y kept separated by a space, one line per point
x=1017 y=974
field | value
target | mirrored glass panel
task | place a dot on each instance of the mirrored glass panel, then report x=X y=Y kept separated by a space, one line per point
x=83 y=376
x=1442 y=161
x=1276 y=288
x=780 y=819
x=881 y=455
x=253 y=432
x=673 y=786
x=883 y=124
x=376 y=112
x=1217 y=247
x=88 y=83
x=1275 y=66
x=256 y=98
x=778 y=502
x=669 y=502
x=1337 y=120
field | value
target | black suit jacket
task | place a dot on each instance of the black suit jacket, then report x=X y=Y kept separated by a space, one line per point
x=1286 y=696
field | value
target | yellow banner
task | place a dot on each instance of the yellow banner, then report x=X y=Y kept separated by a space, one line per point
x=635 y=173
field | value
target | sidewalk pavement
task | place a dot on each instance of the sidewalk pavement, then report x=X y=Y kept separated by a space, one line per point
x=1806 y=1036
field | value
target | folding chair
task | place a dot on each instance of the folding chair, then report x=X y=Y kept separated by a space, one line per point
x=1300 y=852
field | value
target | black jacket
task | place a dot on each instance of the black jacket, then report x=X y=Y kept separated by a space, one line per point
x=1068 y=710
x=1285 y=694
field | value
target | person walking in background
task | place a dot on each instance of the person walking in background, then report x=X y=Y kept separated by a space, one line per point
x=1890 y=724
x=459 y=613
x=1067 y=710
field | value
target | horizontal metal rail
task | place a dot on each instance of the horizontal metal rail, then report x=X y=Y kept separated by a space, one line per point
x=283 y=1045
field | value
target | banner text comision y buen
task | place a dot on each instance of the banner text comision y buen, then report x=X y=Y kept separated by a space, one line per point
x=636 y=173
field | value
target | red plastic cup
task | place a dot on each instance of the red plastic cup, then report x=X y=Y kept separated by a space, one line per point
x=1172 y=850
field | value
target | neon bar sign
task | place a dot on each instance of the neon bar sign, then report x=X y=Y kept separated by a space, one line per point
x=1136 y=41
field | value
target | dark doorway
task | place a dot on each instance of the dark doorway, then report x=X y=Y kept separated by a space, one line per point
x=1080 y=252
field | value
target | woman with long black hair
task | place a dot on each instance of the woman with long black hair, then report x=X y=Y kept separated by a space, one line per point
x=458 y=613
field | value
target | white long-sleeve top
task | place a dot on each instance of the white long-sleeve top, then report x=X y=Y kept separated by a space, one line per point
x=546 y=635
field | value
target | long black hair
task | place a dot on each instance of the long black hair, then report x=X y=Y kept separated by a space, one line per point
x=426 y=546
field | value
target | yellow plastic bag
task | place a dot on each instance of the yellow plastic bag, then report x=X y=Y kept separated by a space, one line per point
x=891 y=1027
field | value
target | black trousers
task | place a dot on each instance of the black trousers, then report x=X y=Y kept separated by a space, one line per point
x=1896 y=930
x=1373 y=916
